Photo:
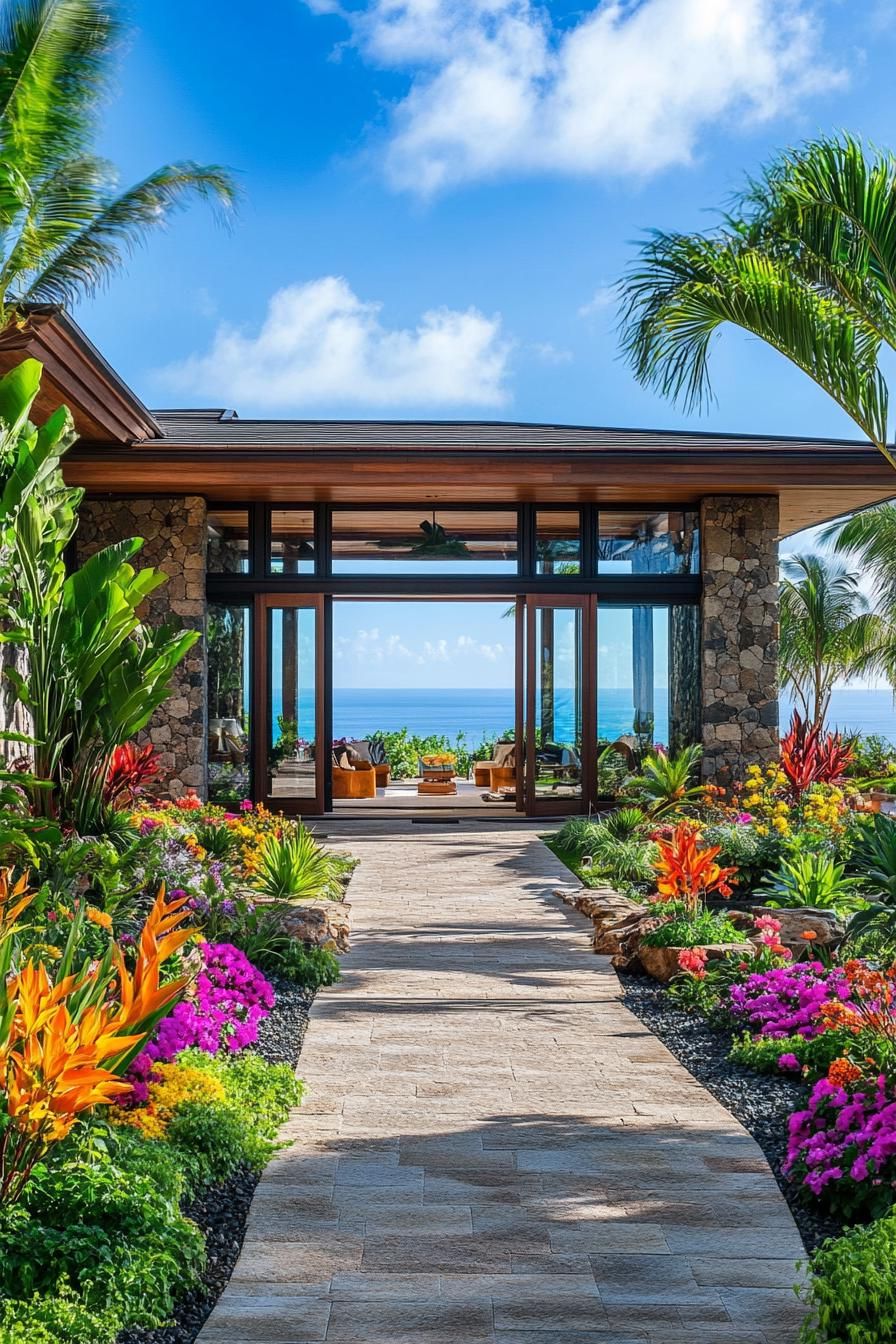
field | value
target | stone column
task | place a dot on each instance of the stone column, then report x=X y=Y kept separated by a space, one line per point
x=738 y=537
x=174 y=532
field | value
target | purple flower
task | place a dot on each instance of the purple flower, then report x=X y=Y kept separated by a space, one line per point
x=789 y=1061
x=148 y=825
x=786 y=1001
x=743 y=818
x=230 y=998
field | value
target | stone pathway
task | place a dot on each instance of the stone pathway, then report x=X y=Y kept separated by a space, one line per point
x=493 y=1148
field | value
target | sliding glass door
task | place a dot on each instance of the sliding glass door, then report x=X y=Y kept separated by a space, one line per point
x=556 y=697
x=291 y=755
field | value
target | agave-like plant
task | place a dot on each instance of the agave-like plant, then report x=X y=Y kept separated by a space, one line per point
x=811 y=880
x=293 y=867
x=667 y=782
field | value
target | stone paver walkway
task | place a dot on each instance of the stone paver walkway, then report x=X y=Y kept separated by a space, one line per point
x=493 y=1148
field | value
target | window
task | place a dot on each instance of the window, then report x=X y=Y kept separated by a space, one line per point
x=228 y=540
x=648 y=683
x=292 y=541
x=424 y=541
x=229 y=757
x=643 y=541
x=558 y=542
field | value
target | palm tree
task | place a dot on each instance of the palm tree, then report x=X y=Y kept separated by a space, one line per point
x=828 y=632
x=805 y=260
x=65 y=229
x=869 y=540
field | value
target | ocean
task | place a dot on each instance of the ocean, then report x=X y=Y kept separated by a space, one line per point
x=485 y=713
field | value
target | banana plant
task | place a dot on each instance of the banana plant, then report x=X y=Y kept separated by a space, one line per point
x=92 y=673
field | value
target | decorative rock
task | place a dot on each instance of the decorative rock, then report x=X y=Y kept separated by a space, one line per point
x=795 y=922
x=325 y=924
x=662 y=962
x=173 y=528
x=740 y=633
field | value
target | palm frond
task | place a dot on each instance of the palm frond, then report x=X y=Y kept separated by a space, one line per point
x=870 y=538
x=685 y=287
x=119 y=225
x=54 y=70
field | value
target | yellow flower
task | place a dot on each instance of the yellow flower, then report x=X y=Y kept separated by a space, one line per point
x=99 y=917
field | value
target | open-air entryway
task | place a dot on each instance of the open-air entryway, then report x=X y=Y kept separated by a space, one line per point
x=494 y=1150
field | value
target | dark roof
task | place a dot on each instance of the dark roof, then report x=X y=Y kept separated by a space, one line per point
x=224 y=429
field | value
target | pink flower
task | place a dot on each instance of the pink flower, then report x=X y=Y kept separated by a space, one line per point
x=788 y=1061
x=246 y=805
x=767 y=924
x=693 y=961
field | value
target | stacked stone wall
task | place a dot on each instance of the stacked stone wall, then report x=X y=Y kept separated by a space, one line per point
x=738 y=537
x=174 y=531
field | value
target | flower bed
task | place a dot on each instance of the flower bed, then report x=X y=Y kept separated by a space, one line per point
x=796 y=1030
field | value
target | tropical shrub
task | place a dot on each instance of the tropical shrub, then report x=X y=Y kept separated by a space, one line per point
x=842 y=1147
x=688 y=873
x=787 y=1000
x=57 y=1318
x=228 y=1000
x=693 y=930
x=742 y=846
x=810 y=1056
x=667 y=782
x=131 y=768
x=873 y=759
x=810 y=879
x=106 y=1221
x=64 y=1046
x=293 y=867
x=95 y=672
x=811 y=756
x=851 y=1294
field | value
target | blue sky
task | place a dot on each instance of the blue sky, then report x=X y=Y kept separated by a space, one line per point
x=438 y=193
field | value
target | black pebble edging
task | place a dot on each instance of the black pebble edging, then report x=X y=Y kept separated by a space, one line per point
x=221 y=1210
x=762 y=1102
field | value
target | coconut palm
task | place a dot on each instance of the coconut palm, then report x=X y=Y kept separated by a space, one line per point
x=65 y=228
x=868 y=539
x=805 y=260
x=828 y=632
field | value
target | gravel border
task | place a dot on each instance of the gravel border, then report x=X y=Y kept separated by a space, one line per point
x=221 y=1210
x=761 y=1102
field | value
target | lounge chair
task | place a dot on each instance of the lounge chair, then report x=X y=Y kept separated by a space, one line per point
x=353 y=778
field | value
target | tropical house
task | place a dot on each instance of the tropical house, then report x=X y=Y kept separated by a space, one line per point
x=263 y=524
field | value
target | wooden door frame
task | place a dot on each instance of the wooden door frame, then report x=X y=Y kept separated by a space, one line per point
x=586 y=603
x=264 y=603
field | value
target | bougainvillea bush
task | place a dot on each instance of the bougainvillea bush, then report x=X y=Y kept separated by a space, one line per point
x=226 y=1003
x=786 y=1001
x=842 y=1147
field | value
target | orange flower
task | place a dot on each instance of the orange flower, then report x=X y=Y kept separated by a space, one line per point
x=809 y=934
x=842 y=1072
x=685 y=872
x=99 y=917
x=66 y=1044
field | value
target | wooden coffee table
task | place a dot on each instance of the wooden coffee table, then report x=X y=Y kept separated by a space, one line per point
x=437 y=779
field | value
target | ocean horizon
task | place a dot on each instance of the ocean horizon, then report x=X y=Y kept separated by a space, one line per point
x=486 y=713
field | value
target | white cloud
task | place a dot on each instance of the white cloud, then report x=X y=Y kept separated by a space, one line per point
x=550 y=354
x=497 y=86
x=603 y=298
x=320 y=344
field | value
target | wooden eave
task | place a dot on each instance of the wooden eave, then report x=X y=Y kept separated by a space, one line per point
x=105 y=409
x=812 y=488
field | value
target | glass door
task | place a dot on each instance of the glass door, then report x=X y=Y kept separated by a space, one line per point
x=290 y=745
x=558 y=696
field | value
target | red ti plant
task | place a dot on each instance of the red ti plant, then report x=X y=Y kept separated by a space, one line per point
x=810 y=756
x=130 y=770
x=687 y=873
